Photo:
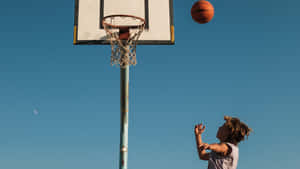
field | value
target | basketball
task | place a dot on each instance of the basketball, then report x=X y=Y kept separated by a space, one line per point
x=202 y=11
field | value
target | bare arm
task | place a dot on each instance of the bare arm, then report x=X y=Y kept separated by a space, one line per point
x=221 y=148
x=203 y=155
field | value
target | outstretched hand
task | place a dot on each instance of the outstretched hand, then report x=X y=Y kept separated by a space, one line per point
x=199 y=129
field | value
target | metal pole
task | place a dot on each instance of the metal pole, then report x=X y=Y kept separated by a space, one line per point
x=124 y=87
x=124 y=73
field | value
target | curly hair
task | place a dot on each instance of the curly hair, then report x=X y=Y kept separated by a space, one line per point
x=238 y=130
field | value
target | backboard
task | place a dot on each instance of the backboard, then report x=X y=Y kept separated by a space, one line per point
x=158 y=14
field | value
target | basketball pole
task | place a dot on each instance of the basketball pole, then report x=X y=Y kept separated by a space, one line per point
x=124 y=86
x=123 y=52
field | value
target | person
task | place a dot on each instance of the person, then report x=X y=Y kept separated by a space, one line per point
x=225 y=154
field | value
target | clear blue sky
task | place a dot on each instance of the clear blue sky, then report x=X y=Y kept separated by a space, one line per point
x=59 y=103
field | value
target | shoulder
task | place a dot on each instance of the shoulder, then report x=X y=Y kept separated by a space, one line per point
x=231 y=148
x=226 y=148
x=221 y=148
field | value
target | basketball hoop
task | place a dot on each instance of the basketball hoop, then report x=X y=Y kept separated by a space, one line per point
x=123 y=31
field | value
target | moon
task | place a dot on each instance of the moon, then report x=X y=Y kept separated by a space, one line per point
x=35 y=112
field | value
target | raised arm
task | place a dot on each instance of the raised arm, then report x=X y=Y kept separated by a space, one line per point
x=203 y=155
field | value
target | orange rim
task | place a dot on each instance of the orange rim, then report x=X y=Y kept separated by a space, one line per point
x=124 y=26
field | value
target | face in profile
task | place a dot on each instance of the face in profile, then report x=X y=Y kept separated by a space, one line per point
x=223 y=133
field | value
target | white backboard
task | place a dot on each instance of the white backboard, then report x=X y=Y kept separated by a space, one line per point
x=158 y=15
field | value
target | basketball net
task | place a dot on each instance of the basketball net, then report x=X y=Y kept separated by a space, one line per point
x=123 y=31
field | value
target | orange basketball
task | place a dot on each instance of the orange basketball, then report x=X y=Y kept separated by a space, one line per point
x=202 y=11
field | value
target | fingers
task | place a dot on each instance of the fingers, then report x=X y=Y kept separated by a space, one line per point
x=204 y=146
x=196 y=130
x=198 y=125
x=203 y=128
x=199 y=128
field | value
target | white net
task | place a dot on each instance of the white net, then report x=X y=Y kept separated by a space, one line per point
x=123 y=52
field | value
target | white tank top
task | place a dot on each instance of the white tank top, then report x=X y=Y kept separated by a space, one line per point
x=217 y=161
